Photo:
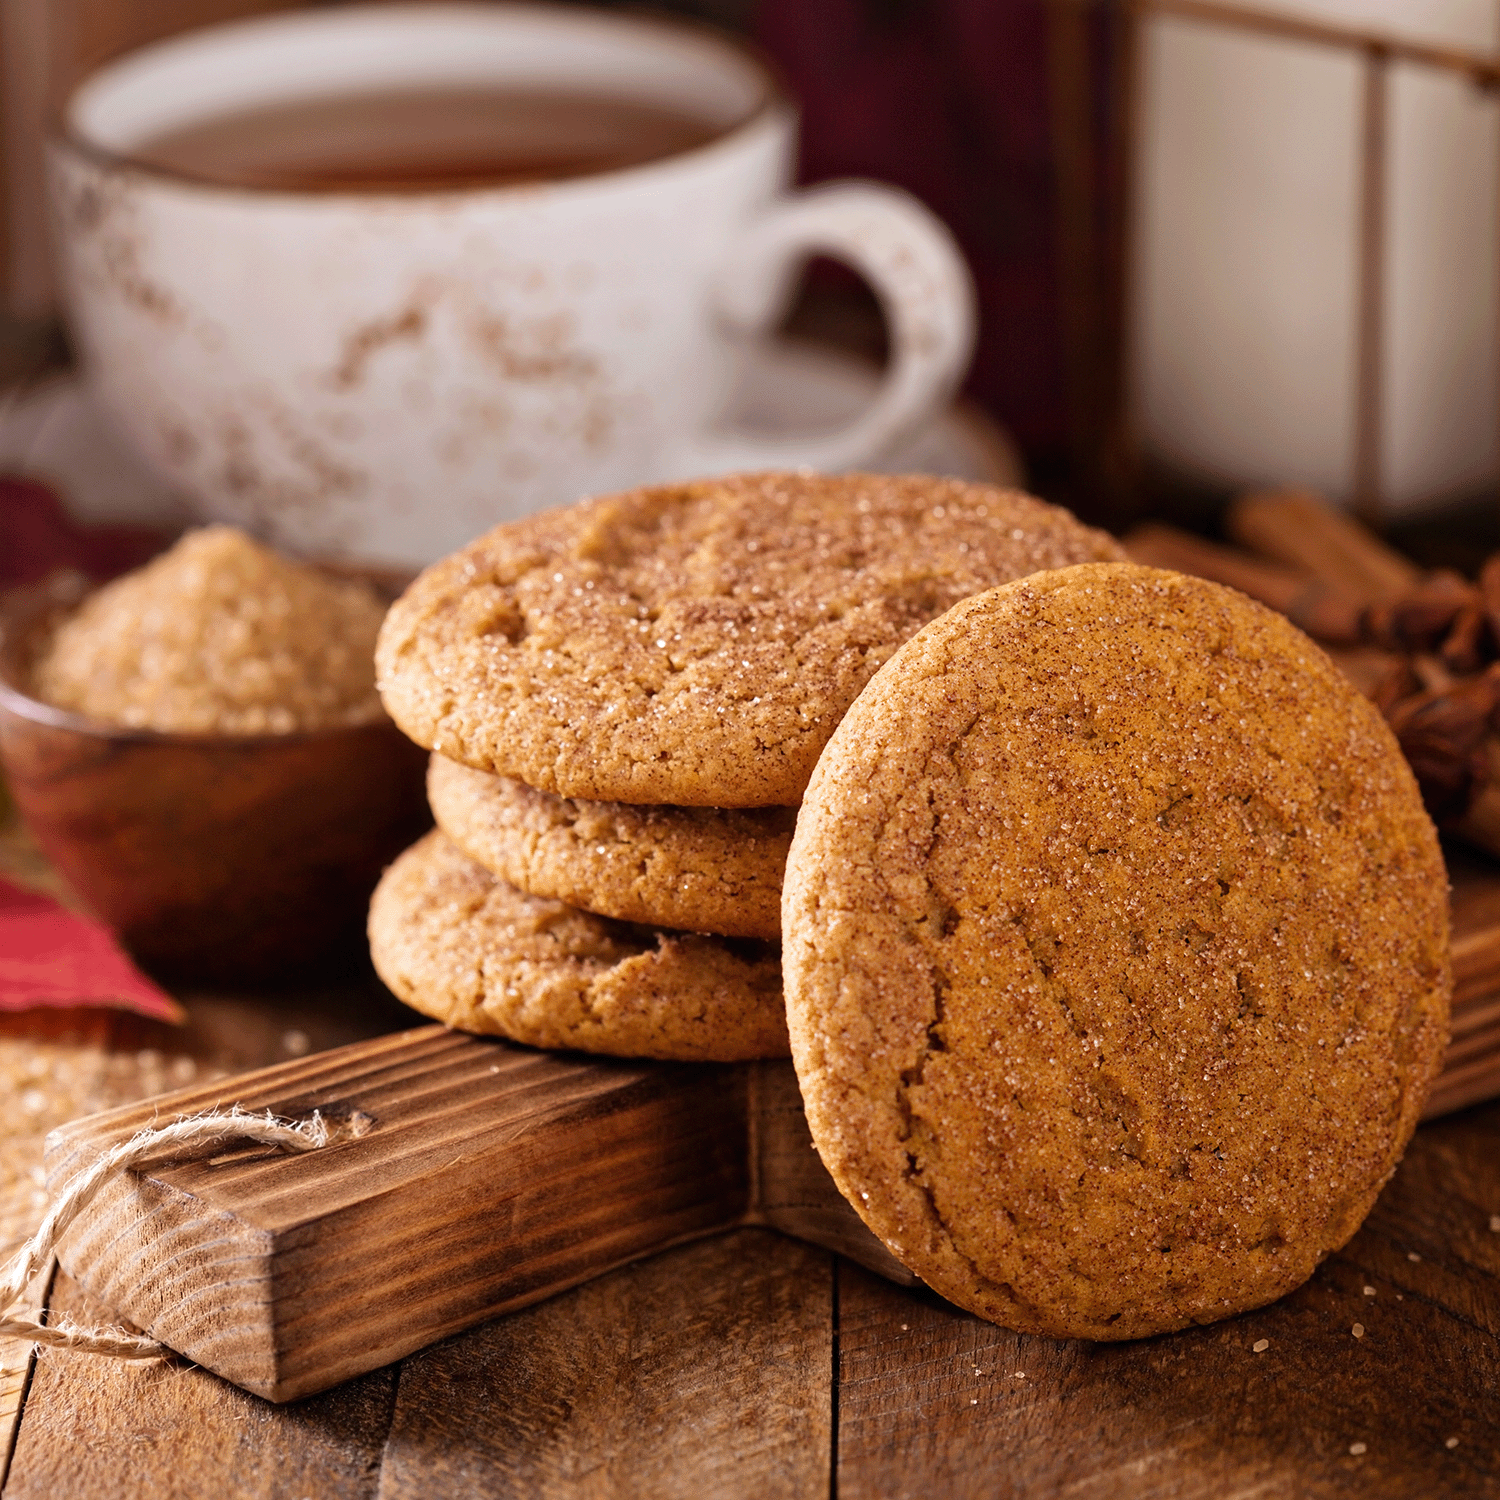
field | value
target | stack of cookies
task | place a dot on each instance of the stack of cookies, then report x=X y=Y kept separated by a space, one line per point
x=625 y=700
x=1115 y=933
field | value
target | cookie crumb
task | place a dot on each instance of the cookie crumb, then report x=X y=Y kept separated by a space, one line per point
x=1412 y=1255
x=1451 y=1443
x=1369 y=1291
x=1358 y=1330
x=1260 y=1346
x=1357 y=1448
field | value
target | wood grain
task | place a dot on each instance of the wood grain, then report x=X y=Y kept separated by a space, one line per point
x=701 y=1372
x=57 y=1072
x=95 y=1427
x=17 y=1357
x=1471 y=1066
x=474 y=1177
x=932 y=1402
x=792 y=1190
x=707 y=1370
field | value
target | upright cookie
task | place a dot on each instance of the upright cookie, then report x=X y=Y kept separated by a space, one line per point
x=695 y=644
x=475 y=953
x=700 y=869
x=1115 y=954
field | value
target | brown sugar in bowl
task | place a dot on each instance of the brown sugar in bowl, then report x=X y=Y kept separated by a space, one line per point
x=215 y=857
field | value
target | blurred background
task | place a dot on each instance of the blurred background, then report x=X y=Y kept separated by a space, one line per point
x=1215 y=246
x=948 y=98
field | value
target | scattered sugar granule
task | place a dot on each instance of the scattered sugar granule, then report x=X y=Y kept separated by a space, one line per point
x=1412 y=1255
x=1260 y=1346
x=218 y=635
x=1357 y=1448
x=1495 y=1223
x=1451 y=1443
x=1358 y=1330
x=1020 y=1374
x=1369 y=1291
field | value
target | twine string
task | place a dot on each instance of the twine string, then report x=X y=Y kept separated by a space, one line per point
x=190 y=1139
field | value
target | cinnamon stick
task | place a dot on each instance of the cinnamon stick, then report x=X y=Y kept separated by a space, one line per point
x=1322 y=610
x=1298 y=528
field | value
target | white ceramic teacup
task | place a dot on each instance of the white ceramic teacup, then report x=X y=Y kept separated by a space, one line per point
x=386 y=374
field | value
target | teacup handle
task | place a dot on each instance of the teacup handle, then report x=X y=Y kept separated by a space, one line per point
x=915 y=268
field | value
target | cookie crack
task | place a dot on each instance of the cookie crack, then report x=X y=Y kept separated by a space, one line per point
x=1004 y=1291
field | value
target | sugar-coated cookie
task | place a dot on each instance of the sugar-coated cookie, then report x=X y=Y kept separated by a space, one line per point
x=695 y=644
x=1115 y=954
x=475 y=953
x=700 y=869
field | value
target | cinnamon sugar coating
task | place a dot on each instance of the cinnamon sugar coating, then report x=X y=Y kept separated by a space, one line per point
x=701 y=869
x=1115 y=954
x=695 y=644
x=475 y=953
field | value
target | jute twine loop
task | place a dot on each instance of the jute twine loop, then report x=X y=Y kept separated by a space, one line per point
x=189 y=1139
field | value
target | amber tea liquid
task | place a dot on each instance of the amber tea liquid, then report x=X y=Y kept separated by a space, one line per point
x=424 y=140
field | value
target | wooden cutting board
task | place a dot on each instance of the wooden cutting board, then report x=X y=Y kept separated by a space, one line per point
x=1471 y=1069
x=469 y=1178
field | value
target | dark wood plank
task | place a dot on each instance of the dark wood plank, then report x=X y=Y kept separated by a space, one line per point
x=97 y=1429
x=474 y=1177
x=932 y=1401
x=792 y=1189
x=1475 y=899
x=702 y=1372
x=1471 y=1066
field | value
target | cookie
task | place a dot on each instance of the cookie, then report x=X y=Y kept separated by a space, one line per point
x=701 y=869
x=1115 y=954
x=459 y=945
x=695 y=644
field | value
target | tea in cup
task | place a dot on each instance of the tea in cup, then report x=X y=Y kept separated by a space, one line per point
x=368 y=280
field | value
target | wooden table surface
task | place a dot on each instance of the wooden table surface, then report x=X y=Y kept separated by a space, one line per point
x=754 y=1365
